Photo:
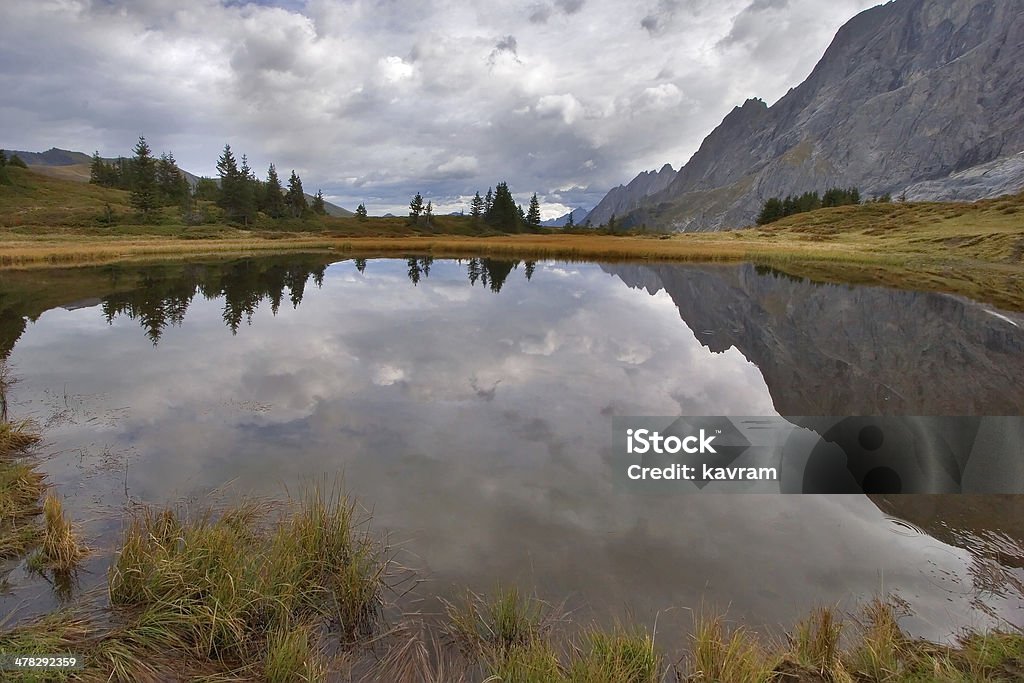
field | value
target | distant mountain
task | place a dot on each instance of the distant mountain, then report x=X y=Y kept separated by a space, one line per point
x=625 y=198
x=925 y=96
x=69 y=165
x=578 y=215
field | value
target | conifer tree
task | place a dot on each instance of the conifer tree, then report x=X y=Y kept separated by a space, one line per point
x=533 y=215
x=361 y=212
x=476 y=207
x=503 y=214
x=318 y=206
x=416 y=207
x=429 y=211
x=570 y=222
x=273 y=194
x=488 y=202
x=296 y=198
x=144 y=188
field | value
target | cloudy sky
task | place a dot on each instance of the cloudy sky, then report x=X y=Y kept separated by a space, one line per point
x=374 y=100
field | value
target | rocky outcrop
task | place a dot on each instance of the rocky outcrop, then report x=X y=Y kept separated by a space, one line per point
x=996 y=178
x=828 y=349
x=625 y=198
x=908 y=92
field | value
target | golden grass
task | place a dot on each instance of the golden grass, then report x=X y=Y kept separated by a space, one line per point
x=60 y=550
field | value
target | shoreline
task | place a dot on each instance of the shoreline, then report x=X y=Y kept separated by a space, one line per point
x=953 y=271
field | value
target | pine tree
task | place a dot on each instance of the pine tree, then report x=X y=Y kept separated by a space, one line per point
x=273 y=194
x=144 y=197
x=503 y=214
x=296 y=198
x=488 y=202
x=97 y=169
x=528 y=269
x=15 y=160
x=247 y=192
x=416 y=207
x=361 y=212
x=319 y=207
x=429 y=211
x=171 y=181
x=232 y=186
x=533 y=215
x=476 y=207
x=570 y=222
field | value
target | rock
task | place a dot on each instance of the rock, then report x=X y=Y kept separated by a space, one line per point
x=909 y=93
x=623 y=199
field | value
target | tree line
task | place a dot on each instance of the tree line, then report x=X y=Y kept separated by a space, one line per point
x=777 y=208
x=157 y=182
x=496 y=209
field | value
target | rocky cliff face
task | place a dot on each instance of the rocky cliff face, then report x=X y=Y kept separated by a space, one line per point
x=625 y=198
x=835 y=350
x=908 y=94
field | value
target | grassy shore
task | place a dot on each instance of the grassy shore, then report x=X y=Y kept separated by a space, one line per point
x=293 y=592
x=972 y=249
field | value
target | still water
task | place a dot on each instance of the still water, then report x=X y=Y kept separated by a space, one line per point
x=468 y=405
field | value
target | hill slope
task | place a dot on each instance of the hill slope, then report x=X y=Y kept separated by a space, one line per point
x=70 y=165
x=910 y=91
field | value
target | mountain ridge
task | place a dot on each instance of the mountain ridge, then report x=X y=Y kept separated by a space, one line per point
x=910 y=92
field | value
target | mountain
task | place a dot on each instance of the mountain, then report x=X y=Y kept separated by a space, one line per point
x=925 y=96
x=578 y=216
x=625 y=198
x=69 y=165
x=827 y=349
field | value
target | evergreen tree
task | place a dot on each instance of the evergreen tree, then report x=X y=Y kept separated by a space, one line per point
x=361 y=212
x=248 y=191
x=232 y=196
x=295 y=199
x=528 y=269
x=360 y=264
x=429 y=212
x=503 y=214
x=97 y=169
x=488 y=202
x=770 y=212
x=3 y=158
x=476 y=207
x=533 y=215
x=570 y=222
x=171 y=181
x=611 y=223
x=144 y=190
x=273 y=194
x=416 y=207
x=319 y=208
x=15 y=160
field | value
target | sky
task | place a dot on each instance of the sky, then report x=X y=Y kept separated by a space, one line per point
x=375 y=100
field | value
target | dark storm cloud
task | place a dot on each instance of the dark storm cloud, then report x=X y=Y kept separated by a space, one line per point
x=374 y=100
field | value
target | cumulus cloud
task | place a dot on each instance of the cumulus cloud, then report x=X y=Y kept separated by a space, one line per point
x=373 y=101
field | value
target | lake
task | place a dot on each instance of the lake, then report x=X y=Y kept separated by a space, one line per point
x=468 y=405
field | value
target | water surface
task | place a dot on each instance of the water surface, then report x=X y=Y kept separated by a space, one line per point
x=469 y=405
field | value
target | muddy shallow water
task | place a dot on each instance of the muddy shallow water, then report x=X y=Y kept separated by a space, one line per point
x=468 y=405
